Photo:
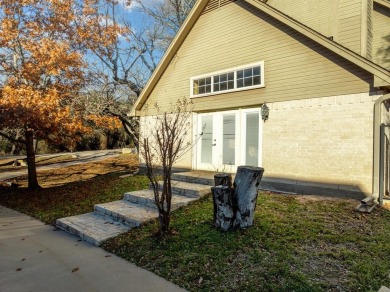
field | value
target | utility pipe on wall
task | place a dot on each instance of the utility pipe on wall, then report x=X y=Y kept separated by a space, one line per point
x=377 y=179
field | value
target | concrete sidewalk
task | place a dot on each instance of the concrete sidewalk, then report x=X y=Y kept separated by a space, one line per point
x=35 y=257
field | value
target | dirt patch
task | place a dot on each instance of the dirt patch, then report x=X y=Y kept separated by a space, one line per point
x=316 y=198
x=326 y=264
x=81 y=172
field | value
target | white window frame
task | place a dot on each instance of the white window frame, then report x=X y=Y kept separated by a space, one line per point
x=234 y=70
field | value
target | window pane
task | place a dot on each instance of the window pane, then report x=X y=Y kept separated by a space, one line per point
x=195 y=88
x=248 y=81
x=228 y=81
x=240 y=83
x=252 y=139
x=248 y=72
x=229 y=139
x=207 y=139
x=256 y=80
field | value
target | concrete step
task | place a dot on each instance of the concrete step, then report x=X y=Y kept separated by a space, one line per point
x=111 y=219
x=92 y=227
x=146 y=197
x=191 y=190
x=196 y=177
x=130 y=214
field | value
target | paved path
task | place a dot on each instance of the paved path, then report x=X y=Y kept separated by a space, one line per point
x=83 y=157
x=35 y=257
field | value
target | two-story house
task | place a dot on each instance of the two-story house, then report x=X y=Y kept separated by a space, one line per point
x=320 y=67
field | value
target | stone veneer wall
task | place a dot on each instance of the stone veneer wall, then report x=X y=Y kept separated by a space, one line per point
x=322 y=143
x=184 y=162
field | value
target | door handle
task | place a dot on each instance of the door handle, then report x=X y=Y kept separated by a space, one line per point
x=215 y=144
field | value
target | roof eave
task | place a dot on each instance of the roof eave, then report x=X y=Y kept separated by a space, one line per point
x=344 y=52
x=197 y=10
x=170 y=53
x=383 y=3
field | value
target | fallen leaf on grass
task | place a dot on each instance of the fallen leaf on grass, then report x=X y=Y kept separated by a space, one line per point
x=75 y=269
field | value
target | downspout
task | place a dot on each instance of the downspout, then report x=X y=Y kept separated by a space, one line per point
x=377 y=179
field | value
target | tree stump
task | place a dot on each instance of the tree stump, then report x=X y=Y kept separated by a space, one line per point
x=223 y=207
x=246 y=185
x=223 y=179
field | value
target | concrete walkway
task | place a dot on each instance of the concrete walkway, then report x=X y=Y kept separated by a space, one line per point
x=35 y=257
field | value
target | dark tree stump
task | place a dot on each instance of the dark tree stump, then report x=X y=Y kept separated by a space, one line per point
x=246 y=185
x=223 y=207
x=223 y=179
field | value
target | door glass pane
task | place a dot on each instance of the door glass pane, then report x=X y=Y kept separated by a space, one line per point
x=252 y=139
x=207 y=139
x=229 y=139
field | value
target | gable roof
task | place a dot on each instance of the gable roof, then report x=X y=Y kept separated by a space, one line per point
x=376 y=70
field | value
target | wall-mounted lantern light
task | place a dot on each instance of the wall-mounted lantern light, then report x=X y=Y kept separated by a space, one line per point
x=264 y=112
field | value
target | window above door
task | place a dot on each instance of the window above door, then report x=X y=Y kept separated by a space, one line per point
x=245 y=77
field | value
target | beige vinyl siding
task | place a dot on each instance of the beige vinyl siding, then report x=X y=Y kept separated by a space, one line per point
x=215 y=4
x=350 y=21
x=370 y=8
x=320 y=15
x=381 y=36
x=237 y=34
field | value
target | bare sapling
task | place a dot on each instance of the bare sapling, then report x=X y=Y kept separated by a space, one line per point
x=165 y=137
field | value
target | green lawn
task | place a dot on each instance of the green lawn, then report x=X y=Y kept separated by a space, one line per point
x=295 y=245
x=298 y=243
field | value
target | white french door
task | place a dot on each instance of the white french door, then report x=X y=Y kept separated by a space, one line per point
x=228 y=139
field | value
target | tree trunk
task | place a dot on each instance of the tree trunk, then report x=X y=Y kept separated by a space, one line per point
x=32 y=170
x=36 y=141
x=223 y=207
x=16 y=147
x=165 y=205
x=223 y=179
x=246 y=185
x=220 y=202
x=164 y=219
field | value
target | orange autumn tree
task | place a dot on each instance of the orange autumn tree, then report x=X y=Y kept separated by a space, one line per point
x=42 y=69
